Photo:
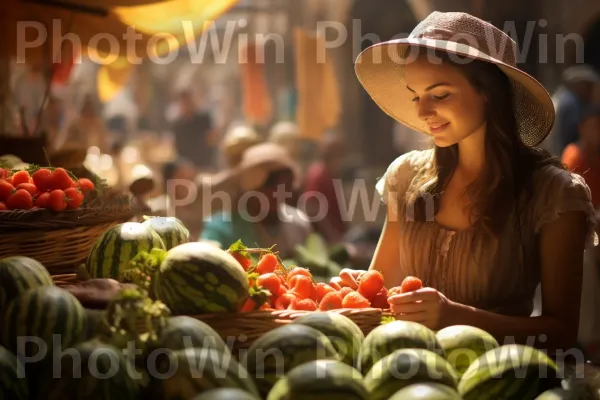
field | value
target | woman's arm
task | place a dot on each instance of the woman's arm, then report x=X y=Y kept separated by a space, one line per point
x=386 y=257
x=562 y=244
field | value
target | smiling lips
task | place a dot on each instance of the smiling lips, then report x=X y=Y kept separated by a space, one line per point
x=438 y=128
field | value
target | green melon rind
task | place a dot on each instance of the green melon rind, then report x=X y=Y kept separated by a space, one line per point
x=42 y=313
x=554 y=394
x=392 y=336
x=113 y=251
x=170 y=229
x=197 y=278
x=226 y=394
x=344 y=334
x=320 y=379
x=195 y=371
x=282 y=349
x=97 y=359
x=482 y=375
x=427 y=390
x=19 y=274
x=461 y=342
x=183 y=331
x=11 y=386
x=407 y=366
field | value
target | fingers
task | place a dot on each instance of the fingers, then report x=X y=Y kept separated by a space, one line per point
x=410 y=297
x=410 y=308
x=349 y=277
x=336 y=283
x=420 y=317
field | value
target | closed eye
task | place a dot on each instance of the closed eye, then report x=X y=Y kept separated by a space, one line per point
x=443 y=97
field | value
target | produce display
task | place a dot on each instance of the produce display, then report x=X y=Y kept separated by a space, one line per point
x=54 y=189
x=314 y=350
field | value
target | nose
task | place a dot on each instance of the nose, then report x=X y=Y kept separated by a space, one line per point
x=425 y=110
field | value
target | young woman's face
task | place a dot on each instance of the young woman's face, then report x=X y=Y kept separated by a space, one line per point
x=445 y=100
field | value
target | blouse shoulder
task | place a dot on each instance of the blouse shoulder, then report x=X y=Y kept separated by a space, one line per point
x=558 y=191
x=400 y=172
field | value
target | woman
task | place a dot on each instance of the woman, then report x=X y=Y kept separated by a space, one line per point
x=484 y=216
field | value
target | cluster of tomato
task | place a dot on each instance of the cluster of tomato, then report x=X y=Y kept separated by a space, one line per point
x=278 y=289
x=52 y=189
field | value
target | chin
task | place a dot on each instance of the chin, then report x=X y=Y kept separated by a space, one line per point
x=442 y=142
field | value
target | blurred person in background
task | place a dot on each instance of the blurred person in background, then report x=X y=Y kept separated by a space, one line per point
x=319 y=182
x=88 y=128
x=570 y=100
x=236 y=141
x=259 y=215
x=195 y=136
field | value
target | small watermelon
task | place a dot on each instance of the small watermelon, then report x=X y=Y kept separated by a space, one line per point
x=395 y=335
x=19 y=274
x=170 y=229
x=12 y=386
x=463 y=344
x=509 y=372
x=320 y=380
x=113 y=251
x=102 y=372
x=426 y=391
x=198 y=278
x=405 y=367
x=183 y=332
x=191 y=372
x=559 y=394
x=344 y=334
x=47 y=314
x=279 y=350
x=226 y=394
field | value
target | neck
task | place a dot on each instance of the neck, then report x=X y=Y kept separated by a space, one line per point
x=471 y=154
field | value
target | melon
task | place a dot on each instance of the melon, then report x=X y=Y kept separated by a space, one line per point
x=278 y=351
x=344 y=334
x=509 y=372
x=113 y=251
x=183 y=332
x=426 y=391
x=320 y=380
x=395 y=335
x=170 y=229
x=19 y=274
x=43 y=313
x=12 y=385
x=190 y=372
x=101 y=372
x=226 y=394
x=405 y=367
x=463 y=344
x=556 y=394
x=198 y=278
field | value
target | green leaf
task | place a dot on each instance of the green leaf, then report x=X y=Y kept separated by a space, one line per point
x=240 y=248
x=317 y=248
x=387 y=319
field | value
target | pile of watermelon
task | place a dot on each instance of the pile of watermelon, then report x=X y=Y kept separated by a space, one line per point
x=49 y=188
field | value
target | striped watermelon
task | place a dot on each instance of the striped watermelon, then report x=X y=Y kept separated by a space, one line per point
x=170 y=229
x=11 y=386
x=344 y=334
x=320 y=380
x=226 y=394
x=190 y=372
x=405 y=367
x=428 y=391
x=197 y=278
x=463 y=344
x=42 y=313
x=279 y=350
x=102 y=373
x=19 y=274
x=185 y=332
x=395 y=335
x=113 y=251
x=509 y=372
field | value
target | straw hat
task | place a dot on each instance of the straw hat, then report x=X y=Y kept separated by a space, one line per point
x=380 y=69
x=257 y=163
x=237 y=139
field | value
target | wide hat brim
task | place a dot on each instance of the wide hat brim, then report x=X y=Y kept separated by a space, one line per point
x=380 y=70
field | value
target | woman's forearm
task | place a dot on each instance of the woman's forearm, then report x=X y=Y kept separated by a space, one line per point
x=543 y=332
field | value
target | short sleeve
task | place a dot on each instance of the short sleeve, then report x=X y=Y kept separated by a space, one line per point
x=560 y=191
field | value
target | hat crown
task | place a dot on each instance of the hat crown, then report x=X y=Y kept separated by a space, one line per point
x=457 y=27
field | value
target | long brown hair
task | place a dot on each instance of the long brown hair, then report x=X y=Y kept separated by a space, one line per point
x=509 y=163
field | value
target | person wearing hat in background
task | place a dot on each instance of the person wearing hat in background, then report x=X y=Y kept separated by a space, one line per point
x=259 y=215
x=484 y=216
x=571 y=99
x=237 y=140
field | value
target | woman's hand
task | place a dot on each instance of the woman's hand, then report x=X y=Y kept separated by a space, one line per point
x=426 y=306
x=347 y=278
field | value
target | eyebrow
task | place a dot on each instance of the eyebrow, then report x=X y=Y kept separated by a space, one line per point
x=431 y=87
